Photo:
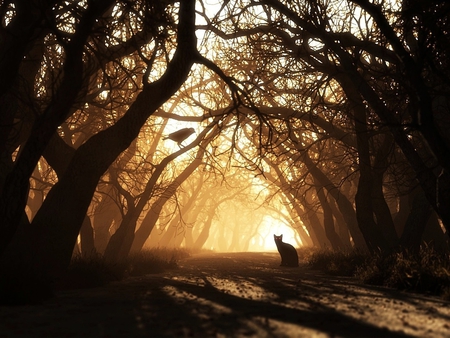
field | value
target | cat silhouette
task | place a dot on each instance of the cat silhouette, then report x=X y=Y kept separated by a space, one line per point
x=289 y=256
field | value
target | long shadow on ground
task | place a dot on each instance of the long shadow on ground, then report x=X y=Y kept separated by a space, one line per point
x=230 y=295
x=225 y=299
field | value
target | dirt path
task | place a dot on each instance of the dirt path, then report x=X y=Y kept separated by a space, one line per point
x=231 y=295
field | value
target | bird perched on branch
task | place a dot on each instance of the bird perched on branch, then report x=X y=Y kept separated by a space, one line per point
x=180 y=135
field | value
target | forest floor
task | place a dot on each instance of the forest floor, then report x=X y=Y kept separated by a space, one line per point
x=231 y=295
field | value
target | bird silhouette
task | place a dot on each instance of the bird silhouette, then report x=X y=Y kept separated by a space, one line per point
x=180 y=135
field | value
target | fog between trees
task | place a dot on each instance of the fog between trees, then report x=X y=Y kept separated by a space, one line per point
x=329 y=117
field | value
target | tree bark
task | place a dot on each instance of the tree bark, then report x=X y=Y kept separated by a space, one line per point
x=87 y=238
x=328 y=221
x=341 y=225
x=415 y=224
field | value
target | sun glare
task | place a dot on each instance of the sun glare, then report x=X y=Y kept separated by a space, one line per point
x=269 y=227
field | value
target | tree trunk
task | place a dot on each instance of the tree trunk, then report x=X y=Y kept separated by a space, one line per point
x=341 y=225
x=204 y=234
x=415 y=225
x=152 y=215
x=103 y=221
x=344 y=205
x=402 y=214
x=373 y=234
x=433 y=236
x=123 y=240
x=14 y=193
x=328 y=221
x=381 y=209
x=87 y=238
x=170 y=232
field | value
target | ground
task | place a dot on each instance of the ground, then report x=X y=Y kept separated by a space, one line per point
x=231 y=295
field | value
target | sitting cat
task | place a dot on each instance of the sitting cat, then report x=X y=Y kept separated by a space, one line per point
x=289 y=256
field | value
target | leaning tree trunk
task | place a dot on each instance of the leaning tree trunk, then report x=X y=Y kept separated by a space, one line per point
x=296 y=213
x=433 y=236
x=152 y=215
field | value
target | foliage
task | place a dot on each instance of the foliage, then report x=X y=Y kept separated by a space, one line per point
x=427 y=271
x=337 y=263
x=154 y=261
x=95 y=271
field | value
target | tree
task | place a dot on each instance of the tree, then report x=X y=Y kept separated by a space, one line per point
x=342 y=104
x=48 y=243
x=121 y=242
x=330 y=51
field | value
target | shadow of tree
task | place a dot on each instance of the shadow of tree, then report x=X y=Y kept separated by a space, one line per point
x=222 y=299
x=231 y=295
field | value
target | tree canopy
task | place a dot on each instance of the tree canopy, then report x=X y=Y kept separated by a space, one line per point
x=328 y=117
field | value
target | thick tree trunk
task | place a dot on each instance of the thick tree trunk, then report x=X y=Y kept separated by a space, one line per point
x=415 y=225
x=328 y=221
x=433 y=235
x=87 y=238
x=372 y=230
x=341 y=225
x=103 y=221
x=381 y=208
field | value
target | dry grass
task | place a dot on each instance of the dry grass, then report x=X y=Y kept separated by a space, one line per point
x=94 y=271
x=427 y=271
